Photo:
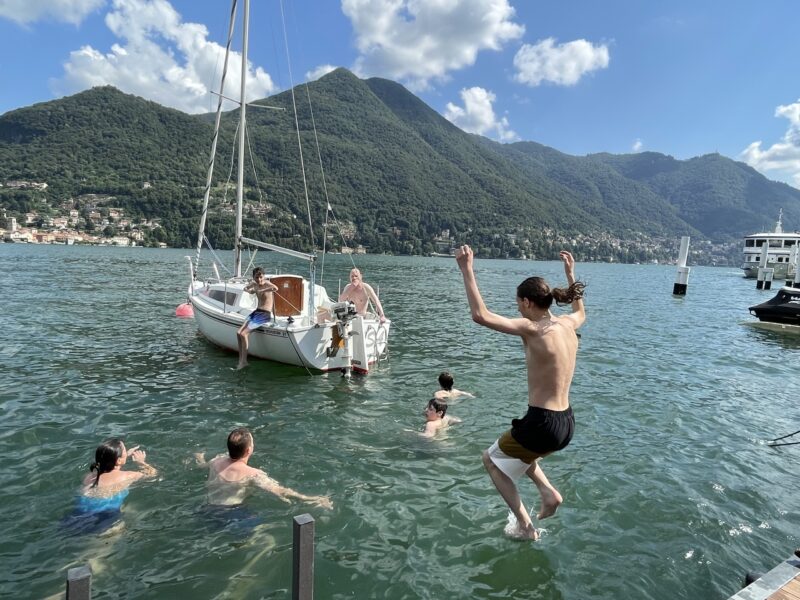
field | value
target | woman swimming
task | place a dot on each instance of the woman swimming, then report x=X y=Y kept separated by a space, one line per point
x=102 y=494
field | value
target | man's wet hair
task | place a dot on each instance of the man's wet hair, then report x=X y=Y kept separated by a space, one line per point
x=239 y=440
x=537 y=291
x=440 y=406
x=446 y=380
x=257 y=271
x=106 y=457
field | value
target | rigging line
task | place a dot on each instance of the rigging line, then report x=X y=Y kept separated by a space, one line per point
x=214 y=254
x=771 y=445
x=252 y=258
x=253 y=165
x=783 y=437
x=218 y=118
x=324 y=183
x=297 y=126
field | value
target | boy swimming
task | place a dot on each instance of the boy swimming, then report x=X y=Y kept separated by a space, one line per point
x=436 y=417
x=447 y=391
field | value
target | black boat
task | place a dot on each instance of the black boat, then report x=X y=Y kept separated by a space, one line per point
x=783 y=308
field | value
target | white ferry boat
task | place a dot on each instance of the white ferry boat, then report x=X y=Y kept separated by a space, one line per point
x=780 y=255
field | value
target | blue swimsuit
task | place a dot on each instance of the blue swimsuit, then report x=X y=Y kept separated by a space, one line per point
x=94 y=514
x=94 y=504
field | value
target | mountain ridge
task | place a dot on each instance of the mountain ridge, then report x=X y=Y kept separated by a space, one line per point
x=396 y=170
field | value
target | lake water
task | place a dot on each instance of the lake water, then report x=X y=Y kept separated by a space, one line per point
x=669 y=489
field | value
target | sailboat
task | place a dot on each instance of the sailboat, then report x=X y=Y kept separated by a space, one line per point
x=308 y=329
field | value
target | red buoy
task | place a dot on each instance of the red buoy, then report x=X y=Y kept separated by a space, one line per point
x=185 y=311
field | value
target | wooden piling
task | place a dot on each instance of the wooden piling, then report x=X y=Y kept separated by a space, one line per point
x=303 y=558
x=79 y=583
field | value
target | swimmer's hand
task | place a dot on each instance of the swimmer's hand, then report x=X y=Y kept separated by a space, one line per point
x=200 y=458
x=321 y=501
x=138 y=456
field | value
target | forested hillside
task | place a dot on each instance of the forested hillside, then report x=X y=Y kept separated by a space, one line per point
x=398 y=175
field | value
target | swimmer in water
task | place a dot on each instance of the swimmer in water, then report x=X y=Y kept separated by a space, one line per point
x=105 y=488
x=229 y=477
x=447 y=391
x=436 y=417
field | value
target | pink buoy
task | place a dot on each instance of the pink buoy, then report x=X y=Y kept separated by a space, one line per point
x=184 y=310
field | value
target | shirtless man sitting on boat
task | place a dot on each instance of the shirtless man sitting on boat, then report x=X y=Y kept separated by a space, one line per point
x=551 y=345
x=360 y=293
x=229 y=477
x=265 y=291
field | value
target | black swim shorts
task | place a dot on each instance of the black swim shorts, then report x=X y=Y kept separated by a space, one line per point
x=542 y=430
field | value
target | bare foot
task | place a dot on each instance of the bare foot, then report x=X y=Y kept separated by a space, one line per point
x=241 y=366
x=525 y=532
x=551 y=500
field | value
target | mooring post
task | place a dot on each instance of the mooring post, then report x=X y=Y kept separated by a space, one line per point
x=79 y=583
x=303 y=558
x=796 y=263
x=682 y=276
x=764 y=280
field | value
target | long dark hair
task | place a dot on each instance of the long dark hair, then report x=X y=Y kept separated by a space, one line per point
x=537 y=291
x=106 y=457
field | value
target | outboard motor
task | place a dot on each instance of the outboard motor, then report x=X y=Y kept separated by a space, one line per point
x=345 y=312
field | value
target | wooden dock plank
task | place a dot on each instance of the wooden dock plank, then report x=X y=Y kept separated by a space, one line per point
x=781 y=583
x=790 y=591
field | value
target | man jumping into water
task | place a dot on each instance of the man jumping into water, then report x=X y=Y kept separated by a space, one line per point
x=551 y=345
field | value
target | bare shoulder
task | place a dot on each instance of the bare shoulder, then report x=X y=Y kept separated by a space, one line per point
x=570 y=321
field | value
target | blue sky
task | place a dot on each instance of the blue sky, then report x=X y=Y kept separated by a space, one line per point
x=683 y=78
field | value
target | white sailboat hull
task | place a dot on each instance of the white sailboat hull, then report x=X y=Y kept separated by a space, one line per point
x=325 y=346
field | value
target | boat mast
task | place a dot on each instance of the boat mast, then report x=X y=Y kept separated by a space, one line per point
x=237 y=255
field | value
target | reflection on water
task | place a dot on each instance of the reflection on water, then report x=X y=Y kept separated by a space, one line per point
x=667 y=480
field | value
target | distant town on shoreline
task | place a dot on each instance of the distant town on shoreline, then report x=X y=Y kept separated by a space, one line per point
x=92 y=219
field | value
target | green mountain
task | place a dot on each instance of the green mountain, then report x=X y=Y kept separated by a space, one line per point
x=396 y=172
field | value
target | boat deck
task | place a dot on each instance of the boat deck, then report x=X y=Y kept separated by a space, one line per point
x=781 y=583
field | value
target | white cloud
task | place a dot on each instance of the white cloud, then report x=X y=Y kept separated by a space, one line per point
x=637 y=145
x=28 y=11
x=160 y=58
x=477 y=115
x=321 y=70
x=419 y=41
x=782 y=159
x=562 y=64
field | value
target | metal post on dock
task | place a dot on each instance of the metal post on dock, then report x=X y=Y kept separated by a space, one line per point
x=79 y=583
x=765 y=275
x=303 y=558
x=796 y=263
x=682 y=276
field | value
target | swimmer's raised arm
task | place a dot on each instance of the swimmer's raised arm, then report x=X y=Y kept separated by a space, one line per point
x=146 y=471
